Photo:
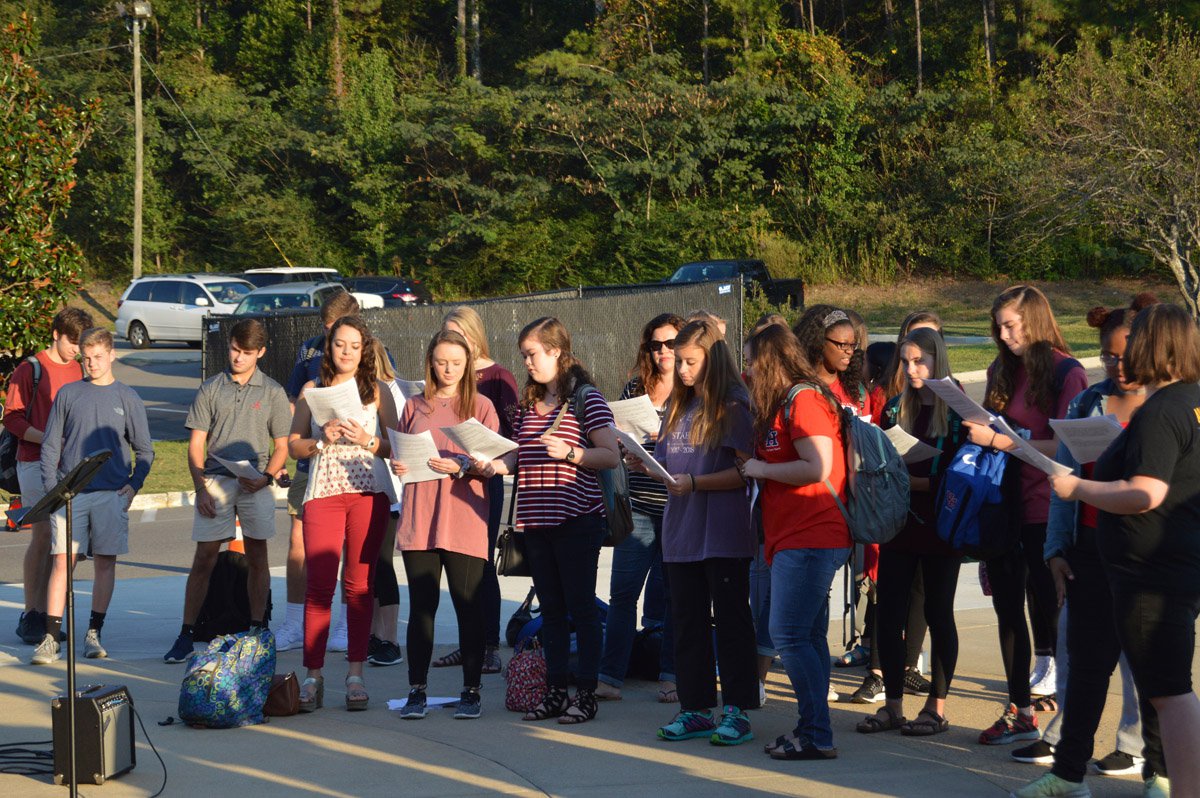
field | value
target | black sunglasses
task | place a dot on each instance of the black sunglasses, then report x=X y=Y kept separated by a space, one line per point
x=656 y=346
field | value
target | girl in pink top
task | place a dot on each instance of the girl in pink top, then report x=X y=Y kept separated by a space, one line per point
x=443 y=522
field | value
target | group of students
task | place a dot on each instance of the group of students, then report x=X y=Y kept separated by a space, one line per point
x=738 y=582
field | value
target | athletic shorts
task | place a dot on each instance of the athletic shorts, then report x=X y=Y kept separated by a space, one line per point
x=99 y=518
x=295 y=497
x=255 y=510
x=29 y=477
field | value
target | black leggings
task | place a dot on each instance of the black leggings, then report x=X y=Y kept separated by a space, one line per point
x=898 y=570
x=463 y=574
x=915 y=626
x=489 y=597
x=387 y=589
x=1010 y=576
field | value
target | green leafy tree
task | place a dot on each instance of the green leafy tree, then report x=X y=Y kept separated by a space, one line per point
x=39 y=142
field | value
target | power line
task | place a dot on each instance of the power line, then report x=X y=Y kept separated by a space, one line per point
x=125 y=46
x=216 y=160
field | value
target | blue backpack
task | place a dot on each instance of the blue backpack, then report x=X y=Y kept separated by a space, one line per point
x=978 y=503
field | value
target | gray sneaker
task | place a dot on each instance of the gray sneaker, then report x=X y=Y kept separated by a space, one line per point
x=46 y=651
x=92 y=648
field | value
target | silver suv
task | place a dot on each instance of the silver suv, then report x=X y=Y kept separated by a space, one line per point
x=172 y=307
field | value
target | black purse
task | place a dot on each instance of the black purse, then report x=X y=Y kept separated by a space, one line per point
x=511 y=559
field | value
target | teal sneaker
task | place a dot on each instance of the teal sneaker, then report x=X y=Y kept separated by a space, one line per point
x=734 y=728
x=688 y=724
x=1051 y=786
x=1157 y=787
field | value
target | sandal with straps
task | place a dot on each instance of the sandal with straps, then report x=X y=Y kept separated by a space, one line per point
x=356 y=694
x=312 y=694
x=926 y=724
x=552 y=706
x=885 y=719
x=451 y=660
x=581 y=710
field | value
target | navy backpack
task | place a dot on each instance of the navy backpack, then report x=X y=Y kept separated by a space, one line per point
x=978 y=503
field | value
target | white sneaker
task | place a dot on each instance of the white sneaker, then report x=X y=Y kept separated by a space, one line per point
x=337 y=636
x=1047 y=685
x=92 y=648
x=1040 y=664
x=762 y=694
x=289 y=636
x=833 y=695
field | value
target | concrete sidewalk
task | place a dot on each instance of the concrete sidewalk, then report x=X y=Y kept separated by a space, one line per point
x=335 y=753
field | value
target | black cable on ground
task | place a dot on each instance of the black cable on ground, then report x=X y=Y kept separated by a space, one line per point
x=145 y=734
x=23 y=759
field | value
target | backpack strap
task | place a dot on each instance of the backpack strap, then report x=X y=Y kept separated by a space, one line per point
x=793 y=392
x=1064 y=367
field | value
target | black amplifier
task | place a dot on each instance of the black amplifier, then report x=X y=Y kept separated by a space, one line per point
x=103 y=735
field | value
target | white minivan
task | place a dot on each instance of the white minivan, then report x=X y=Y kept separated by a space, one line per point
x=172 y=307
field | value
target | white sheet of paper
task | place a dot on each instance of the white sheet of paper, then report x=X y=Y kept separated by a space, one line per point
x=415 y=451
x=1028 y=453
x=635 y=448
x=335 y=401
x=910 y=449
x=477 y=440
x=432 y=702
x=636 y=416
x=1087 y=438
x=410 y=388
x=958 y=401
x=240 y=468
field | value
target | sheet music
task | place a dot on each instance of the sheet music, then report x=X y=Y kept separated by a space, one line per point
x=239 y=468
x=411 y=388
x=478 y=441
x=635 y=448
x=335 y=401
x=1026 y=451
x=415 y=451
x=1087 y=438
x=637 y=417
x=958 y=401
x=910 y=449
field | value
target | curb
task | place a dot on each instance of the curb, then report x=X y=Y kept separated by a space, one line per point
x=179 y=498
x=981 y=374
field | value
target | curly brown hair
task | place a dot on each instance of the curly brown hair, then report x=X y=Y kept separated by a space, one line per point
x=365 y=376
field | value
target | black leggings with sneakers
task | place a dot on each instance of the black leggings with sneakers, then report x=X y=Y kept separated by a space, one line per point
x=463 y=574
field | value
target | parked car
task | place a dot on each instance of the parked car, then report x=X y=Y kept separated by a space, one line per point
x=289 y=274
x=172 y=307
x=750 y=271
x=395 y=291
x=298 y=297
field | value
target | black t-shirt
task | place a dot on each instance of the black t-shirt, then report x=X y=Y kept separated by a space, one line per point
x=1160 y=549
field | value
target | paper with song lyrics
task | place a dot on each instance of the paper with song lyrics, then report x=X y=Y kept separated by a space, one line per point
x=478 y=441
x=415 y=451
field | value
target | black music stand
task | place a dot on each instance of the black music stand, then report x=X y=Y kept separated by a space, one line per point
x=57 y=498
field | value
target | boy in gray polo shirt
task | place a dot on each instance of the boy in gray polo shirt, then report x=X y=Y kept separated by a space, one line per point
x=239 y=416
x=87 y=417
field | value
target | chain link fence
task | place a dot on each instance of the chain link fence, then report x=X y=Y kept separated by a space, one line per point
x=605 y=325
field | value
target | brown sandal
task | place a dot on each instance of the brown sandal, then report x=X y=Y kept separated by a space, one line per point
x=885 y=719
x=926 y=724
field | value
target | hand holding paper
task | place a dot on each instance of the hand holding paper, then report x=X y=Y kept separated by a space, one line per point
x=1087 y=438
x=242 y=469
x=415 y=451
x=339 y=401
x=959 y=402
x=636 y=417
x=477 y=440
x=1027 y=452
x=635 y=448
x=910 y=449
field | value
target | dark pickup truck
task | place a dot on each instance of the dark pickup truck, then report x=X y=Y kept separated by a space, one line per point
x=751 y=272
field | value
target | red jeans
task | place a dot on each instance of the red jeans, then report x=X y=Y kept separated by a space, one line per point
x=356 y=522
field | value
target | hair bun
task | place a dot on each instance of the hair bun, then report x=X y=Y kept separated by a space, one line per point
x=1143 y=300
x=1097 y=316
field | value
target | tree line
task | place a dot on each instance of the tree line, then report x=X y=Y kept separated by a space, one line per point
x=497 y=146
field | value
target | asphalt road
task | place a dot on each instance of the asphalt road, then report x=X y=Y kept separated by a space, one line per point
x=166 y=377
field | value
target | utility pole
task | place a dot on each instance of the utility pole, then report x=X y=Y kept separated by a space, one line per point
x=137 y=14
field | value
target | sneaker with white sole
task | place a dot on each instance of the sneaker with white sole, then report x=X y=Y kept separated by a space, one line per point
x=46 y=651
x=833 y=695
x=734 y=728
x=1118 y=763
x=289 y=636
x=1051 y=786
x=1040 y=663
x=1012 y=727
x=417 y=705
x=870 y=692
x=1038 y=753
x=338 y=636
x=1048 y=683
x=469 y=705
x=762 y=693
x=181 y=649
x=92 y=647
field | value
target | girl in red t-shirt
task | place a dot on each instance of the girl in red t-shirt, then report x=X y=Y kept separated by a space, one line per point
x=800 y=462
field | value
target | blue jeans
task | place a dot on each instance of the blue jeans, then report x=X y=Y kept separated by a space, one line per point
x=760 y=602
x=800 y=583
x=639 y=555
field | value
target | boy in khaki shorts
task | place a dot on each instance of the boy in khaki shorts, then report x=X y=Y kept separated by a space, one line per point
x=87 y=417
x=238 y=415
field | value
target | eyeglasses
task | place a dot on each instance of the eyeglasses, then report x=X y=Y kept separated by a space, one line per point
x=848 y=348
x=656 y=346
x=1111 y=360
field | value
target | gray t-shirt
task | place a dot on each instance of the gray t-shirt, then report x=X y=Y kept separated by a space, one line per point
x=707 y=524
x=241 y=420
x=86 y=418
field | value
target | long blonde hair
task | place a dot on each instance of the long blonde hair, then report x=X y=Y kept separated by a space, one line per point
x=720 y=385
x=930 y=342
x=471 y=324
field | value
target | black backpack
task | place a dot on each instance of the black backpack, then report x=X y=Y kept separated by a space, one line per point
x=9 y=442
x=226 y=608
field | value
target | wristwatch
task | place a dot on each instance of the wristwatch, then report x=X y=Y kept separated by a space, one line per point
x=320 y=444
x=571 y=454
x=369 y=443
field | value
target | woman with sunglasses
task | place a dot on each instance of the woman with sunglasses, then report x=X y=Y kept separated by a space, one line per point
x=638 y=560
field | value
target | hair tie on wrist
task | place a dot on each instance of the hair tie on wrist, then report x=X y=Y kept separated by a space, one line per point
x=692 y=477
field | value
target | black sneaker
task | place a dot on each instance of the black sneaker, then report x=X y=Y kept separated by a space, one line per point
x=415 y=707
x=1038 y=753
x=23 y=626
x=373 y=647
x=1118 y=763
x=180 y=651
x=915 y=683
x=385 y=653
x=870 y=692
x=32 y=627
x=469 y=705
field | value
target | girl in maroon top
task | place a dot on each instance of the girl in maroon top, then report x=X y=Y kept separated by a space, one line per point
x=1031 y=381
x=497 y=384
